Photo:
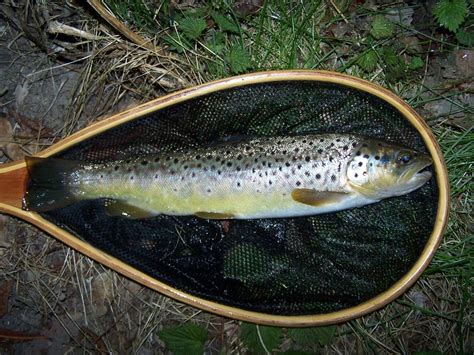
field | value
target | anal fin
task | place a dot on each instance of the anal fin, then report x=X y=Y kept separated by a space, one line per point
x=317 y=198
x=125 y=209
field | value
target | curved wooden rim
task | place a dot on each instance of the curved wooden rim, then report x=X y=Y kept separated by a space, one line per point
x=294 y=75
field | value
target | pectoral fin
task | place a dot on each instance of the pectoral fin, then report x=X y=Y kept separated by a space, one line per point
x=125 y=209
x=213 y=215
x=317 y=198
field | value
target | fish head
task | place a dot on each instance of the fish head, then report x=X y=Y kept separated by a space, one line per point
x=379 y=170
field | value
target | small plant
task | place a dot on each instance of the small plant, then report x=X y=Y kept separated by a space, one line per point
x=190 y=338
x=452 y=14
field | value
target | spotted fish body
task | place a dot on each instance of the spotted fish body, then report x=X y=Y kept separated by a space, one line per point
x=259 y=178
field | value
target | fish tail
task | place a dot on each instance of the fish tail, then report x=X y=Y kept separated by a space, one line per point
x=48 y=187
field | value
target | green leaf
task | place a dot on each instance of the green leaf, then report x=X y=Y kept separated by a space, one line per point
x=192 y=27
x=416 y=63
x=394 y=65
x=450 y=13
x=224 y=23
x=185 y=339
x=368 y=60
x=270 y=336
x=308 y=337
x=465 y=38
x=381 y=27
x=238 y=59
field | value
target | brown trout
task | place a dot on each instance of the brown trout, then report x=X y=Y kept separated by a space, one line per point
x=284 y=176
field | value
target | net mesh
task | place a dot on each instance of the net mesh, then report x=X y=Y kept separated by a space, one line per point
x=292 y=266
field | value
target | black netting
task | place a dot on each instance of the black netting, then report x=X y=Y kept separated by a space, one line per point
x=293 y=266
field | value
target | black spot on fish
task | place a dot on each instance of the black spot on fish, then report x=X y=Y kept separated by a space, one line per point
x=284 y=152
x=255 y=160
x=131 y=177
x=287 y=164
x=307 y=159
x=185 y=167
x=193 y=174
x=213 y=167
x=238 y=168
x=299 y=166
x=239 y=157
x=364 y=145
x=157 y=159
x=338 y=140
x=219 y=172
x=358 y=153
x=168 y=158
x=307 y=173
x=176 y=160
x=253 y=170
x=156 y=176
x=360 y=163
x=345 y=147
x=320 y=150
x=332 y=144
x=208 y=190
x=377 y=157
x=260 y=174
x=247 y=147
x=229 y=164
x=356 y=175
x=238 y=184
x=297 y=150
x=209 y=157
x=269 y=165
x=144 y=162
x=101 y=176
x=331 y=159
x=298 y=183
x=280 y=168
x=339 y=168
x=304 y=140
x=366 y=156
x=371 y=164
x=227 y=152
x=333 y=177
x=354 y=145
x=321 y=140
x=198 y=157
x=264 y=163
x=294 y=159
x=199 y=165
x=270 y=182
x=318 y=176
x=116 y=167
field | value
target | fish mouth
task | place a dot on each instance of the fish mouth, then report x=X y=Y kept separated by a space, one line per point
x=420 y=170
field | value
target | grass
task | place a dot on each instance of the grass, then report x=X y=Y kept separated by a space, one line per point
x=331 y=35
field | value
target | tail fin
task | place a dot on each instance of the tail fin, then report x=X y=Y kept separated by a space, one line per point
x=48 y=186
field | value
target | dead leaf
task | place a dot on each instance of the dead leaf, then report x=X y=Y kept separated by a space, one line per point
x=6 y=132
x=29 y=127
x=102 y=288
x=21 y=92
x=5 y=292
x=13 y=151
x=247 y=7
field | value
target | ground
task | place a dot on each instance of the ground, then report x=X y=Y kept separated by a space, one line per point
x=55 y=300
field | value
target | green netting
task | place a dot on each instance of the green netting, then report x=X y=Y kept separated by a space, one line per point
x=293 y=266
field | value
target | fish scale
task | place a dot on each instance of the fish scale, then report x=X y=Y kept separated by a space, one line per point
x=257 y=178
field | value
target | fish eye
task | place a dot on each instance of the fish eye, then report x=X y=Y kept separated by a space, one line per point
x=404 y=158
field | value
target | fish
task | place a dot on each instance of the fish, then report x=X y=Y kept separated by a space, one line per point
x=262 y=177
